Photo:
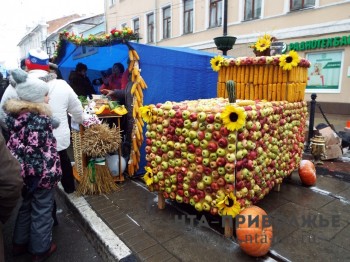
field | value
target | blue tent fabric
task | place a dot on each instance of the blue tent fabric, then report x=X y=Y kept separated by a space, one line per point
x=171 y=73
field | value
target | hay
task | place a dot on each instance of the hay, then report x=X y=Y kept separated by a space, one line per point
x=100 y=140
x=103 y=181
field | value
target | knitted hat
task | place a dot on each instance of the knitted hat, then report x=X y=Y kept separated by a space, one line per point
x=37 y=59
x=29 y=88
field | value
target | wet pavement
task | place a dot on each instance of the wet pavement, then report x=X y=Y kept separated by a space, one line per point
x=309 y=223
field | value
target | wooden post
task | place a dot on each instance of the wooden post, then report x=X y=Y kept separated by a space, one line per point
x=161 y=201
x=277 y=188
x=228 y=227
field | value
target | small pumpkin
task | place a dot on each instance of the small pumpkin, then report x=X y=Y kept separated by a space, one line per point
x=254 y=238
x=307 y=172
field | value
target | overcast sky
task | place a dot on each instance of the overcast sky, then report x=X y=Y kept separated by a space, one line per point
x=17 y=14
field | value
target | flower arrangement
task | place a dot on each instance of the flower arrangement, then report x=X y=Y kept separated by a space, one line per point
x=233 y=117
x=262 y=45
x=216 y=62
x=288 y=61
x=125 y=34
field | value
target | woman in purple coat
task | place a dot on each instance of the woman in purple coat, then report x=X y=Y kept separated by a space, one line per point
x=30 y=123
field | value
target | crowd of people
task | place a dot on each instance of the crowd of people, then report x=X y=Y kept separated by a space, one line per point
x=34 y=119
x=35 y=111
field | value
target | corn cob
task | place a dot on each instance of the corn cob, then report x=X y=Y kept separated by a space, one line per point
x=278 y=91
x=238 y=90
x=266 y=75
x=136 y=56
x=280 y=75
x=256 y=75
x=270 y=77
x=260 y=92
x=265 y=88
x=247 y=91
x=243 y=72
x=284 y=92
x=251 y=92
x=273 y=94
x=239 y=70
x=261 y=74
x=251 y=74
x=246 y=74
x=234 y=73
x=245 y=102
x=269 y=92
x=284 y=76
x=131 y=55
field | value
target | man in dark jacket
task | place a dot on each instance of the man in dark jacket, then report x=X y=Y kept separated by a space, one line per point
x=10 y=187
x=80 y=83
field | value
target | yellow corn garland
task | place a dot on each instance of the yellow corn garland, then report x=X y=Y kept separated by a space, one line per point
x=137 y=92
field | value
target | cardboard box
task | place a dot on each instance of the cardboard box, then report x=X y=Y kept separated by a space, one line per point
x=333 y=152
x=330 y=136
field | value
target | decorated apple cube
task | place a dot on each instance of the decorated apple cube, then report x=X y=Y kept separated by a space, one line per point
x=220 y=157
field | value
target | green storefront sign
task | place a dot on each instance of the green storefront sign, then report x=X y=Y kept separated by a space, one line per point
x=320 y=43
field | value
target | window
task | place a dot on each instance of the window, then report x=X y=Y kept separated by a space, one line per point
x=166 y=22
x=252 y=9
x=301 y=4
x=215 y=13
x=136 y=24
x=111 y=2
x=150 y=28
x=188 y=16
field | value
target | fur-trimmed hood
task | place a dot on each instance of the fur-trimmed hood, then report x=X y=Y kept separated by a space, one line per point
x=16 y=107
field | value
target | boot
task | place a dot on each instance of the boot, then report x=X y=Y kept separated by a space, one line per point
x=44 y=256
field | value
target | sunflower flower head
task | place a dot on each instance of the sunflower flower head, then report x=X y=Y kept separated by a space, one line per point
x=146 y=113
x=228 y=206
x=148 y=177
x=263 y=43
x=216 y=62
x=288 y=61
x=233 y=117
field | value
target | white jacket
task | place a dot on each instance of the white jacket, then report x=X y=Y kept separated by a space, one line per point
x=63 y=100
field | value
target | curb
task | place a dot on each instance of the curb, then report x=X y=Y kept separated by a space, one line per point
x=106 y=242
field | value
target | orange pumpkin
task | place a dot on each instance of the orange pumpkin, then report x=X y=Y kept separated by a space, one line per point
x=307 y=172
x=254 y=238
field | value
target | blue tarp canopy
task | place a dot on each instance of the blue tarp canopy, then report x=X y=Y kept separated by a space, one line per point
x=171 y=73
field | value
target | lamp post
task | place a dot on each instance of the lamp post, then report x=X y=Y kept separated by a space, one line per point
x=225 y=42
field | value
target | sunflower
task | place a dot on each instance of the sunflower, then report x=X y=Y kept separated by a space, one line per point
x=233 y=117
x=263 y=43
x=146 y=113
x=288 y=61
x=228 y=205
x=216 y=62
x=148 y=177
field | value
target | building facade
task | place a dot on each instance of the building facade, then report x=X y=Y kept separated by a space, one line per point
x=46 y=34
x=317 y=29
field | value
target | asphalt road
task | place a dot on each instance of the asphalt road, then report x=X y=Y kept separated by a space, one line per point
x=72 y=243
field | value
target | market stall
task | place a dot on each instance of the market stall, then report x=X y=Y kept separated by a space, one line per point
x=186 y=72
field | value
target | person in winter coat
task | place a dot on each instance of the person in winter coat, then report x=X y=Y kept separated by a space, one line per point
x=10 y=187
x=30 y=123
x=63 y=101
x=80 y=83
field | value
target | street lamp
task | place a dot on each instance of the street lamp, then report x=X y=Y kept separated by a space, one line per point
x=225 y=42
